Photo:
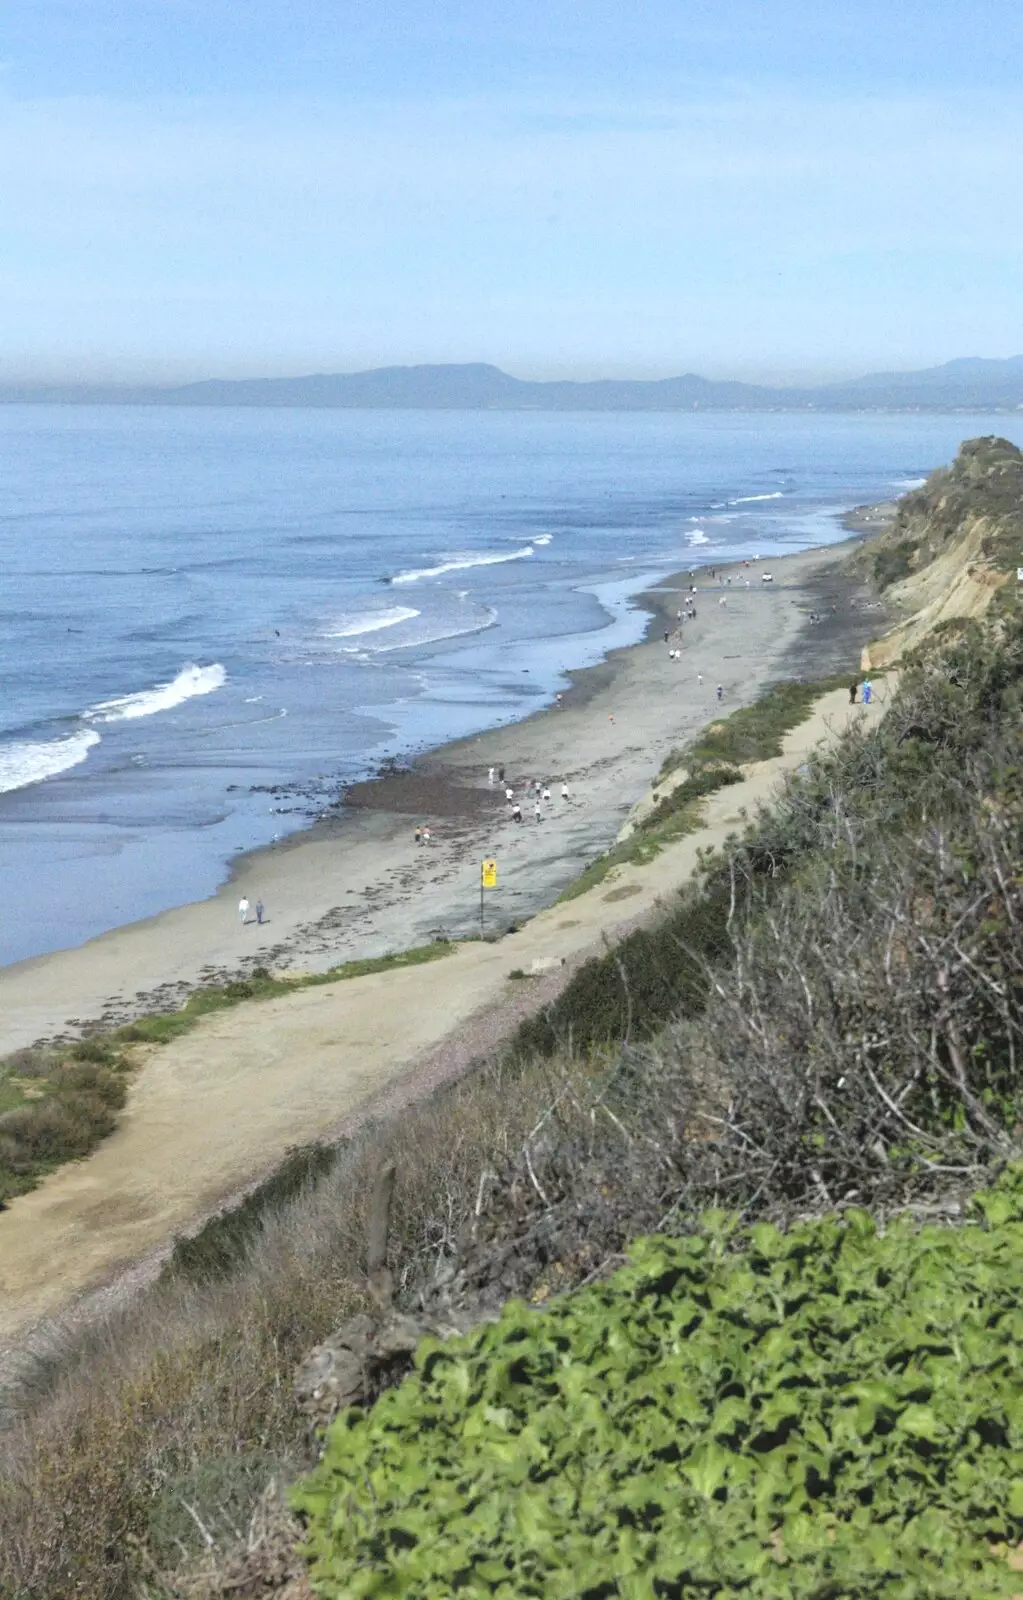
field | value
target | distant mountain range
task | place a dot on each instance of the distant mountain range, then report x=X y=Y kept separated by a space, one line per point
x=970 y=384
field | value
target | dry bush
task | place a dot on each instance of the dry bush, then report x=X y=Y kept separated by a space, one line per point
x=113 y=1427
x=852 y=1028
x=867 y=1038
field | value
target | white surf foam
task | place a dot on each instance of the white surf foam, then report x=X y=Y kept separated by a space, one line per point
x=748 y=499
x=457 y=563
x=909 y=483
x=442 y=631
x=25 y=763
x=372 y=622
x=697 y=537
x=190 y=681
x=543 y=538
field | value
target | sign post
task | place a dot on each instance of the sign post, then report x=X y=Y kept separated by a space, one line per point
x=488 y=880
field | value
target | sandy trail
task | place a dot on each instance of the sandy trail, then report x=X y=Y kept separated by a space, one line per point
x=223 y=1102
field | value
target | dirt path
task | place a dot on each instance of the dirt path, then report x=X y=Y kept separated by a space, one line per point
x=358 y=887
x=224 y=1102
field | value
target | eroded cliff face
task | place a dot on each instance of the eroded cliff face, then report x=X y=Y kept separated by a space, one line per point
x=953 y=546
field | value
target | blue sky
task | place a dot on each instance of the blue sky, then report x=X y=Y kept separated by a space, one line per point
x=749 y=187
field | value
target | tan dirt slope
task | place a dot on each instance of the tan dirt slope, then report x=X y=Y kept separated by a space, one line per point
x=952 y=546
x=224 y=1101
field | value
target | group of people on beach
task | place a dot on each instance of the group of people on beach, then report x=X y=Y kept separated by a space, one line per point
x=538 y=788
x=244 y=908
x=866 y=694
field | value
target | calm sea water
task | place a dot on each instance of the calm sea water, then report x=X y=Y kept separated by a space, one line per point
x=200 y=605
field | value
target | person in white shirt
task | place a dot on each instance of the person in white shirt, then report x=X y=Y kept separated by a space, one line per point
x=243 y=909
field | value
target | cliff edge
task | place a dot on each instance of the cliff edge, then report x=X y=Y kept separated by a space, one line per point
x=953 y=547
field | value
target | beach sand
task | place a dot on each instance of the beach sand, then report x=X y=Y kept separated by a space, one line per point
x=218 y=1107
x=358 y=886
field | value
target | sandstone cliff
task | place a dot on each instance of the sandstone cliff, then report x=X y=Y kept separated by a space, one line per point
x=953 y=547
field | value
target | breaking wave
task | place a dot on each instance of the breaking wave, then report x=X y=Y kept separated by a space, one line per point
x=25 y=763
x=439 y=630
x=457 y=563
x=190 y=681
x=372 y=622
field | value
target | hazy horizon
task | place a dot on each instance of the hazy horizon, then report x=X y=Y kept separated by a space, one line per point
x=743 y=190
x=584 y=373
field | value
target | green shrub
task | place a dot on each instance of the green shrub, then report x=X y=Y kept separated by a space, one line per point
x=221 y=1244
x=754 y=732
x=827 y=1412
x=649 y=976
x=95 y=1049
x=99 y=1083
x=48 y=1131
x=895 y=562
x=698 y=786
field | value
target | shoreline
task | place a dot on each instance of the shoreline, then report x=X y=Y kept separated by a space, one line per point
x=354 y=885
x=213 y=1112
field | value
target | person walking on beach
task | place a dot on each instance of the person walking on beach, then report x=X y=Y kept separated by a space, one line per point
x=490 y=776
x=538 y=814
x=564 y=791
x=868 y=690
x=426 y=836
x=259 y=911
x=419 y=834
x=516 y=812
x=852 y=691
x=546 y=792
x=509 y=794
x=721 y=692
x=243 y=910
x=500 y=774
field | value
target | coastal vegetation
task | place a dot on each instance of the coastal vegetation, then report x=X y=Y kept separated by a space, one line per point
x=754 y=732
x=800 y=1089
x=712 y=761
x=676 y=813
x=841 y=1027
x=57 y=1102
x=981 y=493
x=823 y=1410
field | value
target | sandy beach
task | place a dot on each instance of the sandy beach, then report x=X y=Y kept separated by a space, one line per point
x=357 y=885
x=216 y=1109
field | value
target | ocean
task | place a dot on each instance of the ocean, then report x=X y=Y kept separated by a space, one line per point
x=203 y=607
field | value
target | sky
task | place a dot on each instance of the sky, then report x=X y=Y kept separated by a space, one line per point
x=761 y=189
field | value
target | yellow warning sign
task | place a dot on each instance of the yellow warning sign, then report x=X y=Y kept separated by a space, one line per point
x=488 y=874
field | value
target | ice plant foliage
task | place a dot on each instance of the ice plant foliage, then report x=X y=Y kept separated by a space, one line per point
x=828 y=1411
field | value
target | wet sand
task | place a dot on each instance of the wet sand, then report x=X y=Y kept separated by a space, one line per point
x=213 y=1111
x=359 y=886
